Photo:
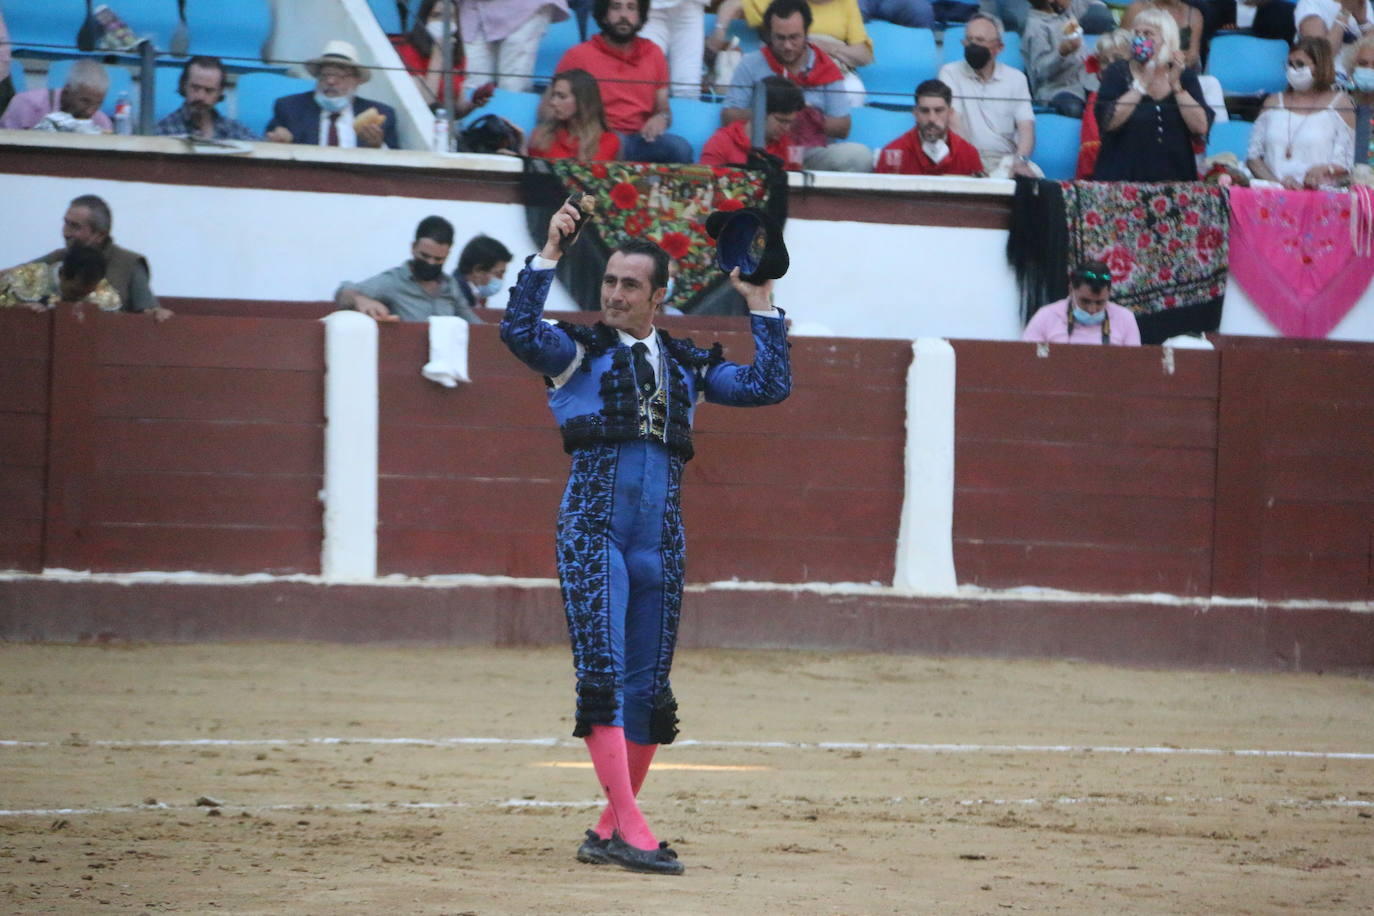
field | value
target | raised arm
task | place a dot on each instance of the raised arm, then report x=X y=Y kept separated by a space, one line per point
x=539 y=345
x=769 y=379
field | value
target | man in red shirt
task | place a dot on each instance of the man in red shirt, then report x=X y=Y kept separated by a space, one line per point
x=931 y=148
x=633 y=76
x=783 y=101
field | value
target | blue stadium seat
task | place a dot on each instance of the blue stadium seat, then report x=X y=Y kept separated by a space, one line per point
x=18 y=77
x=519 y=108
x=121 y=80
x=235 y=31
x=1247 y=65
x=1230 y=137
x=695 y=121
x=902 y=58
x=876 y=127
x=952 y=47
x=46 y=28
x=1056 y=145
x=388 y=16
x=558 y=38
x=256 y=94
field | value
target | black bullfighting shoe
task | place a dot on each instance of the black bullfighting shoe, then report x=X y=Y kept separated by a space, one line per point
x=593 y=850
x=660 y=861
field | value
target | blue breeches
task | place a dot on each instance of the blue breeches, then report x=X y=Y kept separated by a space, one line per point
x=620 y=563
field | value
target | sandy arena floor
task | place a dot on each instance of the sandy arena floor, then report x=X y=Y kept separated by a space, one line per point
x=116 y=744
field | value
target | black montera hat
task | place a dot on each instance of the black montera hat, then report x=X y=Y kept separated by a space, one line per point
x=750 y=240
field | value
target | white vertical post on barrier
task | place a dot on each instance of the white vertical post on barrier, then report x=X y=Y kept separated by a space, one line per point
x=350 y=447
x=925 y=541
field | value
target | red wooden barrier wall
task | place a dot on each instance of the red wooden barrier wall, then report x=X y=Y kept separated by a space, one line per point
x=809 y=490
x=1295 y=485
x=1091 y=469
x=189 y=445
x=25 y=342
x=197 y=444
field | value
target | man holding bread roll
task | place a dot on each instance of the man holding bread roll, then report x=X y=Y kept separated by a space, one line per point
x=334 y=114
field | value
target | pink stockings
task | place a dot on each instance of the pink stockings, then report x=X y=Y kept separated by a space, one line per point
x=621 y=766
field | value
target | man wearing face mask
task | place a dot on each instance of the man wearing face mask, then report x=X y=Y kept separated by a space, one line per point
x=416 y=290
x=481 y=271
x=334 y=114
x=1362 y=76
x=931 y=148
x=992 y=102
x=1085 y=317
x=202 y=85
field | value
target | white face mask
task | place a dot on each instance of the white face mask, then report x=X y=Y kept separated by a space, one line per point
x=1300 y=78
x=435 y=28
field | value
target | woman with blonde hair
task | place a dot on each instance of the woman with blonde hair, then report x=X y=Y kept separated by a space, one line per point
x=1187 y=20
x=572 y=121
x=1151 y=108
x=1305 y=136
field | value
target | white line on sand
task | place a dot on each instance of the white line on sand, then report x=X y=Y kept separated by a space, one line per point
x=382 y=807
x=1164 y=750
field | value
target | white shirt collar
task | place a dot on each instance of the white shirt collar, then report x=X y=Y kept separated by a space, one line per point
x=651 y=341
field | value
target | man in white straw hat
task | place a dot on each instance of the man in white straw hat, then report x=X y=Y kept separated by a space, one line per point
x=334 y=114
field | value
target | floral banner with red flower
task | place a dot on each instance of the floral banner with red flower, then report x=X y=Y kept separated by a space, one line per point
x=666 y=204
x=1166 y=245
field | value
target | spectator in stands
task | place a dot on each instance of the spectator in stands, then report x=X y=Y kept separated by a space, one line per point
x=1305 y=136
x=1085 y=316
x=75 y=108
x=202 y=86
x=821 y=127
x=1110 y=48
x=992 y=104
x=783 y=102
x=6 y=79
x=78 y=277
x=482 y=271
x=914 y=14
x=502 y=37
x=931 y=148
x=422 y=52
x=1052 y=46
x=334 y=114
x=87 y=223
x=1150 y=108
x=1093 y=15
x=1188 y=20
x=417 y=289
x=1362 y=79
x=633 y=74
x=836 y=27
x=677 y=27
x=572 y=121
x=1340 y=22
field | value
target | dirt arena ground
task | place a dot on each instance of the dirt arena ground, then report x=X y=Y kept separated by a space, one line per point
x=108 y=749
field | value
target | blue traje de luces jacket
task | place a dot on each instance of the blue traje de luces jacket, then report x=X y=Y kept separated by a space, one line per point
x=599 y=403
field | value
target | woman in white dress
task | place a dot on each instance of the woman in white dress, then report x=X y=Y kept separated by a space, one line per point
x=1305 y=136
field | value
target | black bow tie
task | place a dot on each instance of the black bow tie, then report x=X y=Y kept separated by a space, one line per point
x=644 y=373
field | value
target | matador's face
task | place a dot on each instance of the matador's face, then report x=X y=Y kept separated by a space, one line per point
x=629 y=300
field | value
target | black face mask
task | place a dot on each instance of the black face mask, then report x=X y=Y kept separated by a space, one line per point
x=425 y=271
x=977 y=56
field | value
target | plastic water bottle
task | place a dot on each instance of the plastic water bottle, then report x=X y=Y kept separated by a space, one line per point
x=124 y=115
x=441 y=144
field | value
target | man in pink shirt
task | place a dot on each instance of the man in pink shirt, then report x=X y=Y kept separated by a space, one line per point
x=633 y=77
x=75 y=108
x=1085 y=317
